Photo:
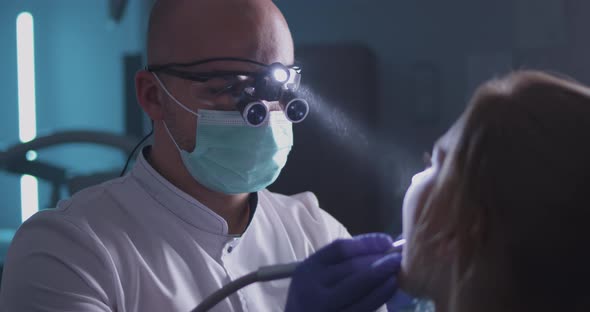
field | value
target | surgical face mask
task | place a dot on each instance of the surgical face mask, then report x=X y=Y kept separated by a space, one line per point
x=232 y=157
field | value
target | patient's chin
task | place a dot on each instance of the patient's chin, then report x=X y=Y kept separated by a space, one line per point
x=409 y=281
x=419 y=277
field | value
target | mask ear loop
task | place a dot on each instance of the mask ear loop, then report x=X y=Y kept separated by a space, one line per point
x=177 y=101
x=171 y=137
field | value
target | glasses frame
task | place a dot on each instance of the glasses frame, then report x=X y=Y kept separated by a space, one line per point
x=172 y=69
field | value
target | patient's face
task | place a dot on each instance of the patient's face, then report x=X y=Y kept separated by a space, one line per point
x=419 y=264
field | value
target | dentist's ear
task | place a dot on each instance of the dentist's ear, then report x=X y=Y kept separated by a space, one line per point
x=148 y=94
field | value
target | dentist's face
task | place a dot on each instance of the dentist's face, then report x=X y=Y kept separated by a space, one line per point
x=189 y=31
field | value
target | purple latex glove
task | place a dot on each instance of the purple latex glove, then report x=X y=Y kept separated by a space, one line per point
x=347 y=275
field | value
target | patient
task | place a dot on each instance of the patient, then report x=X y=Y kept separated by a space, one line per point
x=500 y=220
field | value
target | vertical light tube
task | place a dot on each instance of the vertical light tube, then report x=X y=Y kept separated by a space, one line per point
x=29 y=196
x=25 y=45
x=27 y=115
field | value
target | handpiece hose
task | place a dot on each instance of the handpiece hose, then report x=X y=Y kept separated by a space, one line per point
x=264 y=274
x=268 y=273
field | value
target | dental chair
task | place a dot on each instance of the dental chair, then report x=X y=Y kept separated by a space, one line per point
x=14 y=160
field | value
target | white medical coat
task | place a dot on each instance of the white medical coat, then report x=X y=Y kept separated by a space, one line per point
x=138 y=243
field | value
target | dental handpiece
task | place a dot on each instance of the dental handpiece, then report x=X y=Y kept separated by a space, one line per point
x=397 y=246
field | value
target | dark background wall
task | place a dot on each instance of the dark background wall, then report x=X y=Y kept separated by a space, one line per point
x=79 y=85
x=414 y=64
x=430 y=57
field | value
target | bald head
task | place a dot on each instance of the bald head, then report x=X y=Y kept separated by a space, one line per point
x=189 y=30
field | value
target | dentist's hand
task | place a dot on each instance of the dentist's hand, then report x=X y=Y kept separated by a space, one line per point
x=348 y=275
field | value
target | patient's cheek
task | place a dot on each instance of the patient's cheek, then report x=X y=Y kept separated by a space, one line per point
x=416 y=262
x=415 y=200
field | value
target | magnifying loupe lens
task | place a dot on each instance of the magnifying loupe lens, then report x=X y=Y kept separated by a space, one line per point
x=296 y=110
x=255 y=113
